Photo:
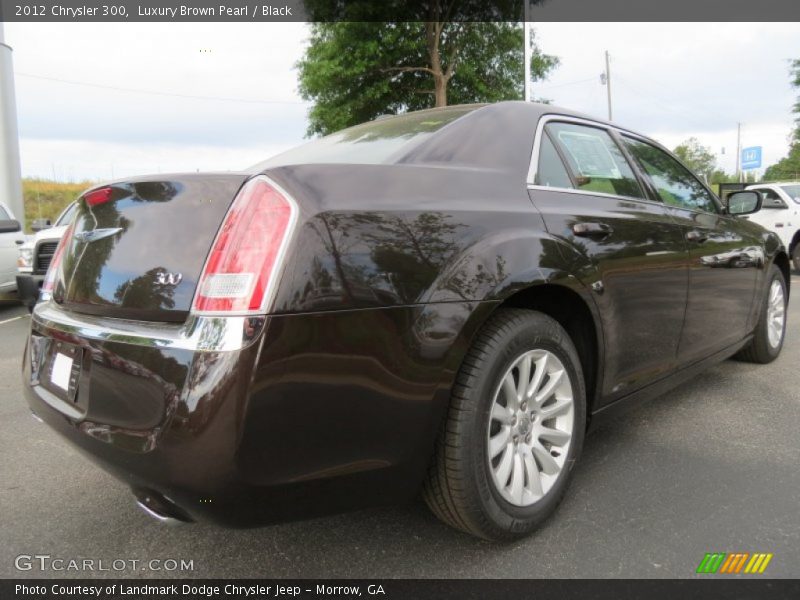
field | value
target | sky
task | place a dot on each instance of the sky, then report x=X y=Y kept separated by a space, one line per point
x=101 y=101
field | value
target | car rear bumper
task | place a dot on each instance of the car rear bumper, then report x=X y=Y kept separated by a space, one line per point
x=247 y=421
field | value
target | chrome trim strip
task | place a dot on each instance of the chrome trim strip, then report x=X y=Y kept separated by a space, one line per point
x=198 y=333
x=560 y=190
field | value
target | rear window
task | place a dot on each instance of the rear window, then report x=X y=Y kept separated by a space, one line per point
x=375 y=142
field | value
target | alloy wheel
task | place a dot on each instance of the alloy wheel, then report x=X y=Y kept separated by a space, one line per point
x=530 y=427
x=776 y=314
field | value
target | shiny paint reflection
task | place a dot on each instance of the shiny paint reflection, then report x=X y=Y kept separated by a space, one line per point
x=726 y=260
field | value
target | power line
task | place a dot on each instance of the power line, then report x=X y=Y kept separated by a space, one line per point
x=159 y=93
x=560 y=85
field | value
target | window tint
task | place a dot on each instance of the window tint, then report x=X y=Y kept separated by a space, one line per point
x=673 y=182
x=551 y=170
x=595 y=159
x=4 y=216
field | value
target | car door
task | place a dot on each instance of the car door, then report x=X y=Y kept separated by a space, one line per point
x=725 y=254
x=620 y=244
x=775 y=214
x=9 y=243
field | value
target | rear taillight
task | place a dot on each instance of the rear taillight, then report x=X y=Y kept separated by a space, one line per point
x=245 y=261
x=96 y=197
x=55 y=262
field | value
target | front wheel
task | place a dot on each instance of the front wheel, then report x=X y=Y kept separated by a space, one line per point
x=796 y=257
x=771 y=328
x=514 y=429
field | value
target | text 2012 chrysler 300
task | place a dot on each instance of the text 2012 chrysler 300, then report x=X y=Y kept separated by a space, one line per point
x=441 y=300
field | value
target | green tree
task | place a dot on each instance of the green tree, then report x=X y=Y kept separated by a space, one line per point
x=697 y=157
x=789 y=166
x=354 y=72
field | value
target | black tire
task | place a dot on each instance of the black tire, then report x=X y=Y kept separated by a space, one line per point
x=759 y=350
x=796 y=257
x=459 y=489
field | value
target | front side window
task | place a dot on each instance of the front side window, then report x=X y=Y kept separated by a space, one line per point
x=674 y=183
x=595 y=160
x=4 y=216
x=793 y=191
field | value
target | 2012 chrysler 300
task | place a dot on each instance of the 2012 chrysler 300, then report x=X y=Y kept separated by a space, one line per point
x=441 y=300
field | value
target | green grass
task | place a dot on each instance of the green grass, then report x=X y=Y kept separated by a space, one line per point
x=45 y=199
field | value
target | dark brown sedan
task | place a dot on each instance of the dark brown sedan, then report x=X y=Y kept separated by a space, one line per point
x=443 y=300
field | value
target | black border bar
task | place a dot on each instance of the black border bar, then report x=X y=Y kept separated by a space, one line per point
x=711 y=588
x=396 y=10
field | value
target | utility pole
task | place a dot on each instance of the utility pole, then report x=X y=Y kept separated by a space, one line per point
x=739 y=152
x=608 y=84
x=527 y=50
x=10 y=178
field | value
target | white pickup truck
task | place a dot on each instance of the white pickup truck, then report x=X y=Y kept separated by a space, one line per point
x=35 y=254
x=781 y=213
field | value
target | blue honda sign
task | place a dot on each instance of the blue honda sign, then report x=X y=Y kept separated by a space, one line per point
x=751 y=158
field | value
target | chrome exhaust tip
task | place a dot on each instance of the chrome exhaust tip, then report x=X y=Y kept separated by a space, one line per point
x=161 y=509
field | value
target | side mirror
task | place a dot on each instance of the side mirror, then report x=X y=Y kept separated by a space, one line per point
x=40 y=224
x=744 y=203
x=10 y=226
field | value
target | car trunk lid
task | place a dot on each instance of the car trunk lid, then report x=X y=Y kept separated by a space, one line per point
x=138 y=246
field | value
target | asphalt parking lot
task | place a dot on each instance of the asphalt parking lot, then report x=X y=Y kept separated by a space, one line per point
x=711 y=466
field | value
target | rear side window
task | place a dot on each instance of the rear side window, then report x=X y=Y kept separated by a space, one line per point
x=595 y=160
x=4 y=216
x=674 y=183
x=551 y=171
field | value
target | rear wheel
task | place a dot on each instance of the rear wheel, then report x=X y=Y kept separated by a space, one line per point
x=514 y=429
x=771 y=328
x=796 y=256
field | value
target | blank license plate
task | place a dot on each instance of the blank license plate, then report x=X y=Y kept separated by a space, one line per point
x=62 y=371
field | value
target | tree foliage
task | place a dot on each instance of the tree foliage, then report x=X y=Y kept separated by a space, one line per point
x=356 y=71
x=789 y=166
x=697 y=157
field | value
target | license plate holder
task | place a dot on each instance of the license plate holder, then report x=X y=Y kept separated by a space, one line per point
x=63 y=370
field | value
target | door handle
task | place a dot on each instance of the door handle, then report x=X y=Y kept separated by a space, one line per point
x=696 y=236
x=592 y=229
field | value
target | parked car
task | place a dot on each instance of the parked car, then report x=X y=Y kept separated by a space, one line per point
x=11 y=237
x=442 y=300
x=35 y=254
x=781 y=213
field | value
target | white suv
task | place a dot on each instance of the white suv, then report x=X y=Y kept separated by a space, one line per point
x=781 y=213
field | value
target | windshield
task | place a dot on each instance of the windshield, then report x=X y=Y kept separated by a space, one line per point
x=66 y=216
x=793 y=191
x=371 y=143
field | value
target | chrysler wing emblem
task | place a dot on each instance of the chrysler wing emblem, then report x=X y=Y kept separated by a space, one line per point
x=96 y=234
x=164 y=278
